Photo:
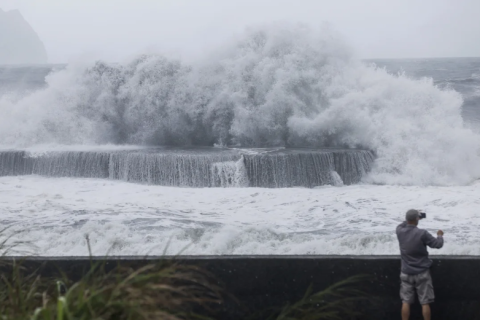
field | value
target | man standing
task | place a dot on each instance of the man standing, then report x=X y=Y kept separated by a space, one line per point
x=416 y=264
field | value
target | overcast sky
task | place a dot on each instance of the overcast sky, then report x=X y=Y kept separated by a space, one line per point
x=116 y=29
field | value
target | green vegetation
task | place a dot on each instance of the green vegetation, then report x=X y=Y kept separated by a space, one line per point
x=163 y=290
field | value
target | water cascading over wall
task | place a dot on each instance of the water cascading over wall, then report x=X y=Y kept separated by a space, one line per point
x=55 y=164
x=307 y=168
x=198 y=167
x=14 y=163
x=182 y=169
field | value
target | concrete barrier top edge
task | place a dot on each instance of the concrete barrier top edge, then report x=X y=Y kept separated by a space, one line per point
x=231 y=257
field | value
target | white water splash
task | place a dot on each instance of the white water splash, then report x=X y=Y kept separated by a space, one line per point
x=230 y=174
x=280 y=85
x=122 y=218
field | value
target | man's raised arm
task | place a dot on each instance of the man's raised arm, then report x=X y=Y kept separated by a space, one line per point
x=433 y=242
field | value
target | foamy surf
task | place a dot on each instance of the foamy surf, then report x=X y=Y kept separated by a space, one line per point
x=122 y=218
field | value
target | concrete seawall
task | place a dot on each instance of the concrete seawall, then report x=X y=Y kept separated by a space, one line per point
x=260 y=282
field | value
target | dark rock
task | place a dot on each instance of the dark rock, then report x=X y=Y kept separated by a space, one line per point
x=19 y=43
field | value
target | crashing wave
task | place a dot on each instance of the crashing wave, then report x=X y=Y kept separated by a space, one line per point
x=280 y=85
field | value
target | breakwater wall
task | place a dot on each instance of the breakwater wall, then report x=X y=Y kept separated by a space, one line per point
x=262 y=282
x=198 y=167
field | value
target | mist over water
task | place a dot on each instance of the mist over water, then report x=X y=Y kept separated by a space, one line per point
x=280 y=85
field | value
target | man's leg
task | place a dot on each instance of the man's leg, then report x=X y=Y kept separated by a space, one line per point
x=406 y=311
x=425 y=292
x=426 y=312
x=407 y=294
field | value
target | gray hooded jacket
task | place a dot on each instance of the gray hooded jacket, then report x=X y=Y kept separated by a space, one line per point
x=413 y=248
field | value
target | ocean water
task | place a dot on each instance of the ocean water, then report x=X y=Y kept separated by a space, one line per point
x=459 y=74
x=264 y=108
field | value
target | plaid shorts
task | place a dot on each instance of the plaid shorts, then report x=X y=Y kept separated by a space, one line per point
x=422 y=283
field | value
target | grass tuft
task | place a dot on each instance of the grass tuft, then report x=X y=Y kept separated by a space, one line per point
x=163 y=290
x=166 y=289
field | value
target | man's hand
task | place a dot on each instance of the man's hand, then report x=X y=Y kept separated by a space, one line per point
x=440 y=233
